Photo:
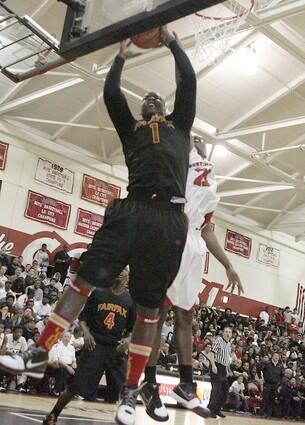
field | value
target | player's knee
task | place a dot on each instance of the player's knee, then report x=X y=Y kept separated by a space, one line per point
x=81 y=286
x=183 y=318
x=147 y=315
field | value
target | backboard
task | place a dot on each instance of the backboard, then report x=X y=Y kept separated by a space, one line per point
x=93 y=24
x=26 y=49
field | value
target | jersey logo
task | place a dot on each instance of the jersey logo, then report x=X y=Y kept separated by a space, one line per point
x=115 y=308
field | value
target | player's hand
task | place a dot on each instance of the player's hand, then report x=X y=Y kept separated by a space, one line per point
x=123 y=345
x=214 y=370
x=125 y=52
x=166 y=36
x=234 y=281
x=70 y=370
x=89 y=341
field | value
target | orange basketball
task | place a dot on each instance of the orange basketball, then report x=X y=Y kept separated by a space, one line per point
x=148 y=39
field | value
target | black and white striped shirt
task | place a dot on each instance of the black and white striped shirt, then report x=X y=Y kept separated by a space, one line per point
x=222 y=351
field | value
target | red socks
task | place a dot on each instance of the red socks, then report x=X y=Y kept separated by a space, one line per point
x=137 y=360
x=54 y=328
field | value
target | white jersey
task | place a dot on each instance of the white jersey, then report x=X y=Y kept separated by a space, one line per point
x=201 y=190
x=201 y=201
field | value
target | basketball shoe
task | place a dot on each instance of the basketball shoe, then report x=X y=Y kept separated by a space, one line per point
x=50 y=420
x=153 y=403
x=32 y=362
x=186 y=395
x=126 y=412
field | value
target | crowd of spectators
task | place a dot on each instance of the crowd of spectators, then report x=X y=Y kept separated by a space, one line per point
x=267 y=372
x=28 y=295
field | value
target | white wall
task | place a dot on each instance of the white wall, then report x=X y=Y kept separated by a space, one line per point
x=262 y=283
x=277 y=286
x=18 y=178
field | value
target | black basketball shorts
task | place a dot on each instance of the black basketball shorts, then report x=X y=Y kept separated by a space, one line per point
x=147 y=235
x=91 y=367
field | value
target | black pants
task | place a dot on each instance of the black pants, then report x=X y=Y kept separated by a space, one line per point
x=269 y=394
x=220 y=389
x=291 y=407
x=60 y=374
x=149 y=236
x=92 y=366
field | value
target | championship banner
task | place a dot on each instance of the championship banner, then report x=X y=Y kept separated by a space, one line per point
x=87 y=223
x=3 y=154
x=47 y=210
x=238 y=244
x=53 y=174
x=268 y=255
x=99 y=192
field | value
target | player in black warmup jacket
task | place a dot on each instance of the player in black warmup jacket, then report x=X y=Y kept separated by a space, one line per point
x=107 y=320
x=146 y=230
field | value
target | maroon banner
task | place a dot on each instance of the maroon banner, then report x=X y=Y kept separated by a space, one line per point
x=87 y=223
x=99 y=192
x=3 y=154
x=238 y=244
x=47 y=210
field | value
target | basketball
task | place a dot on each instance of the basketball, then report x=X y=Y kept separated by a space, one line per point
x=148 y=39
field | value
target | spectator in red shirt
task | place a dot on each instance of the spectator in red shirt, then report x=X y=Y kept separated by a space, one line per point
x=198 y=341
x=280 y=320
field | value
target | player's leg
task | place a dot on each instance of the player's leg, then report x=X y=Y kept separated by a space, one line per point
x=85 y=381
x=150 y=392
x=104 y=260
x=153 y=265
x=185 y=290
x=115 y=369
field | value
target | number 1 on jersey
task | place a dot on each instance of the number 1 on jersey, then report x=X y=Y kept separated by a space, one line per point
x=109 y=322
x=155 y=132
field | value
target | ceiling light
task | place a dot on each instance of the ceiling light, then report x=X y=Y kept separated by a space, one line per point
x=2 y=21
x=247 y=60
x=221 y=151
x=243 y=60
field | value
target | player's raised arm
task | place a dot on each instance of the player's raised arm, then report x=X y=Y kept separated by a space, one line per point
x=114 y=98
x=185 y=102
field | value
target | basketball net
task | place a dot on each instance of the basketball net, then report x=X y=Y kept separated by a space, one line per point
x=215 y=26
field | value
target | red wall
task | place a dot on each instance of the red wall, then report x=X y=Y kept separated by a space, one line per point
x=240 y=304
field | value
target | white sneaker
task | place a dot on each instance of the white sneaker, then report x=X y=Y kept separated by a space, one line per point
x=126 y=412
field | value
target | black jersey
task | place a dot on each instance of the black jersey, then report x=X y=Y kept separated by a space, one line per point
x=108 y=315
x=156 y=151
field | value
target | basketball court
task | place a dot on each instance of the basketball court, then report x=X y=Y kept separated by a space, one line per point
x=249 y=58
x=13 y=412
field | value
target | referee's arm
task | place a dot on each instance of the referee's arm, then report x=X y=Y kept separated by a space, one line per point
x=215 y=348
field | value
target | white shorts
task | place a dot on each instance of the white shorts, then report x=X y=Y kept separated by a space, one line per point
x=188 y=284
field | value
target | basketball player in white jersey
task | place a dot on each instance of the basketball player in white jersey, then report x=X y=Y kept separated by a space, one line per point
x=183 y=294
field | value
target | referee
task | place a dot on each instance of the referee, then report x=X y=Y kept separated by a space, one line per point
x=220 y=361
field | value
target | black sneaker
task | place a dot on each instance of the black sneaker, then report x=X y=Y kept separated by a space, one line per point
x=153 y=403
x=32 y=362
x=186 y=395
x=50 y=420
x=126 y=412
x=221 y=415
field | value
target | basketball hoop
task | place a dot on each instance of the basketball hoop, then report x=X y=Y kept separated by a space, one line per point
x=215 y=27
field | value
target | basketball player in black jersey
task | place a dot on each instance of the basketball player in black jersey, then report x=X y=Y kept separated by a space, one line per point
x=146 y=230
x=107 y=320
